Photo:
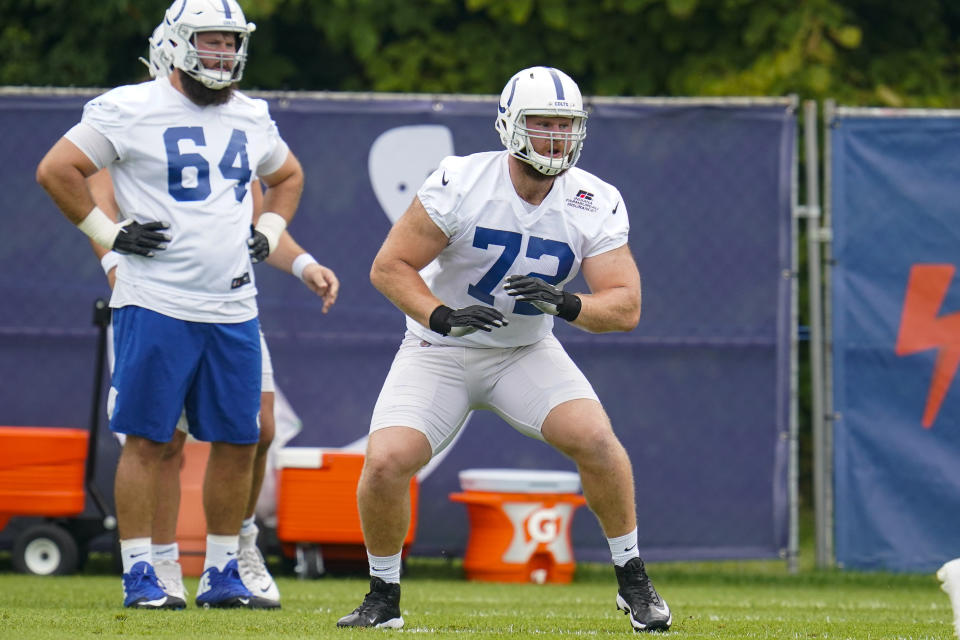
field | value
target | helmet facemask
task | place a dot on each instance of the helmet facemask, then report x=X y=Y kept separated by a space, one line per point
x=569 y=143
x=227 y=67
x=188 y=18
x=536 y=93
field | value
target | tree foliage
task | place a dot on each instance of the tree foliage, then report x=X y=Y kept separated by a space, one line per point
x=869 y=52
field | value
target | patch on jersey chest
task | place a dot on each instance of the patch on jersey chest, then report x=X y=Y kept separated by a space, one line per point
x=583 y=201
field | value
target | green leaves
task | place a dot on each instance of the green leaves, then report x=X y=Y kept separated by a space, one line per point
x=905 y=54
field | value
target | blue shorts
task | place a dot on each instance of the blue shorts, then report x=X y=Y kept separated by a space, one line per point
x=165 y=365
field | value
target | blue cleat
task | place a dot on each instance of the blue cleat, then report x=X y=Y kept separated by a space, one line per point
x=225 y=590
x=142 y=590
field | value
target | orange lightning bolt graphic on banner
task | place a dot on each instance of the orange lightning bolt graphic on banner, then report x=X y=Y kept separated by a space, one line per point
x=921 y=329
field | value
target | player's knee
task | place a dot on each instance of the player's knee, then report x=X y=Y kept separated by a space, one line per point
x=590 y=444
x=142 y=448
x=384 y=470
x=386 y=467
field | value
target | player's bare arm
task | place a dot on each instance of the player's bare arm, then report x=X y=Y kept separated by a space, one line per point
x=292 y=258
x=63 y=173
x=101 y=188
x=280 y=201
x=613 y=303
x=284 y=187
x=413 y=242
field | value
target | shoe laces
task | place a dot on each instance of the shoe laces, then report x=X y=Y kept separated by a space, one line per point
x=170 y=576
x=638 y=586
x=253 y=564
x=134 y=579
x=374 y=600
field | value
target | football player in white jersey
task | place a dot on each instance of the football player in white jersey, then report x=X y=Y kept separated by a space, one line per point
x=182 y=151
x=478 y=264
x=291 y=258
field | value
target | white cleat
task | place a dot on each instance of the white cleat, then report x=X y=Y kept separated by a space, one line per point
x=949 y=575
x=170 y=575
x=255 y=576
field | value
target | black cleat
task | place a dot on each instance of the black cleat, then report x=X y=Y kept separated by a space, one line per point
x=380 y=608
x=638 y=599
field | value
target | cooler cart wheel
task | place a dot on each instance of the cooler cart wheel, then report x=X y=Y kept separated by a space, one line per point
x=309 y=562
x=45 y=550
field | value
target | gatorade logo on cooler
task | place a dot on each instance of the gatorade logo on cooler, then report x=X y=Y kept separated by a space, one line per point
x=534 y=525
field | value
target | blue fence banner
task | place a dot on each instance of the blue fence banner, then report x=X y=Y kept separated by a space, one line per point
x=895 y=305
x=699 y=393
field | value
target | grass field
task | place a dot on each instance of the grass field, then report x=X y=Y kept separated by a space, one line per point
x=718 y=600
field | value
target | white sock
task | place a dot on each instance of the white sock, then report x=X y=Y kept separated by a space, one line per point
x=134 y=550
x=249 y=526
x=248 y=533
x=220 y=550
x=387 y=568
x=624 y=548
x=165 y=551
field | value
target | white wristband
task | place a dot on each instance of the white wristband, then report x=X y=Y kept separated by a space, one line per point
x=100 y=228
x=271 y=225
x=300 y=263
x=109 y=260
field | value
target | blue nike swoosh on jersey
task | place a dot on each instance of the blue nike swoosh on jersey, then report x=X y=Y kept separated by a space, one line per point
x=443 y=179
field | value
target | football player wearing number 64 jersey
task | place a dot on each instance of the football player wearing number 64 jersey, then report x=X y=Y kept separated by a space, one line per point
x=478 y=263
x=182 y=150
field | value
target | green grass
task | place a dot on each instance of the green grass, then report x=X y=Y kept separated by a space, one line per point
x=716 y=600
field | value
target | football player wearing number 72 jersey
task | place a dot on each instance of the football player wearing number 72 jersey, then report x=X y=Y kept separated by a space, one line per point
x=182 y=150
x=478 y=263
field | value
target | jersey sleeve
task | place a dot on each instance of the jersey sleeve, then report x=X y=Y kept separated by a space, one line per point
x=441 y=195
x=276 y=147
x=112 y=115
x=613 y=231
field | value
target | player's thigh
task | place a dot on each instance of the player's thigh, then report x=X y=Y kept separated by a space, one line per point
x=224 y=401
x=424 y=390
x=156 y=358
x=268 y=422
x=533 y=381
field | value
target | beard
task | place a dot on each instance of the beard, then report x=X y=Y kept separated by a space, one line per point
x=530 y=172
x=201 y=95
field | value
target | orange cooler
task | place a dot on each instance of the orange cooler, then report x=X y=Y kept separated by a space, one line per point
x=41 y=471
x=519 y=524
x=317 y=501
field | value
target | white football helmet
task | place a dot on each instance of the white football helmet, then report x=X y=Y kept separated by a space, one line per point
x=541 y=91
x=186 y=18
x=159 y=60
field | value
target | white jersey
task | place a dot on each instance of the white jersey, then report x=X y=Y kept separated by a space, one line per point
x=493 y=235
x=191 y=167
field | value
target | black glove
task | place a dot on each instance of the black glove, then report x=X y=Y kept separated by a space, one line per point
x=460 y=322
x=543 y=296
x=141 y=239
x=259 y=246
